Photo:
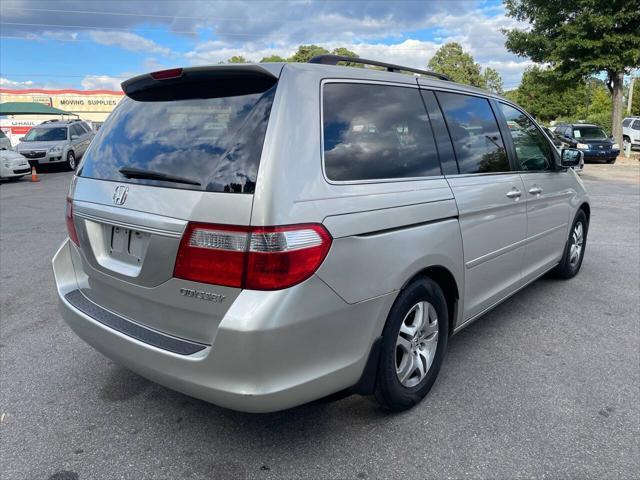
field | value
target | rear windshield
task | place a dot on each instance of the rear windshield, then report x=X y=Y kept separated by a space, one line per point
x=210 y=144
x=41 y=134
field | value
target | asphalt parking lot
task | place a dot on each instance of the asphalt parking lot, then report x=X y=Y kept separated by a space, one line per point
x=546 y=385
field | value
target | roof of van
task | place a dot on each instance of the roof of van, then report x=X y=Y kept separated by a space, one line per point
x=271 y=72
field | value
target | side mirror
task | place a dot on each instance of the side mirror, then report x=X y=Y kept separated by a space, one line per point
x=570 y=157
x=73 y=137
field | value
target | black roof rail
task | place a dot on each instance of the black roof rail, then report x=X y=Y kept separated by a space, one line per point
x=334 y=59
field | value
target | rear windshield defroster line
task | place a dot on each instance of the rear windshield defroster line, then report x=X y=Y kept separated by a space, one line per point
x=217 y=142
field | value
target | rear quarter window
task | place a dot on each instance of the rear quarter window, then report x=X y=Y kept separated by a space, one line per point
x=376 y=132
x=215 y=143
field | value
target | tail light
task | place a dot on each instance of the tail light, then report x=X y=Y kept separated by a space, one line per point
x=71 y=228
x=257 y=258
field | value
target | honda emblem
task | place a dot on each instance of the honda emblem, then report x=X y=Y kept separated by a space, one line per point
x=120 y=195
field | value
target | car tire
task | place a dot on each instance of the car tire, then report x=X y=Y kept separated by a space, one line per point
x=71 y=161
x=572 y=257
x=414 y=342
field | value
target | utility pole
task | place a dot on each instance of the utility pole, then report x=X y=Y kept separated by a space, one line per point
x=630 y=99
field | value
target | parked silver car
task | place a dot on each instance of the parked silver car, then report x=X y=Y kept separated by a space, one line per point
x=5 y=142
x=56 y=141
x=290 y=231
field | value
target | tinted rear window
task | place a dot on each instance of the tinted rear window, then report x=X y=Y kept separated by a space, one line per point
x=216 y=142
x=475 y=134
x=376 y=132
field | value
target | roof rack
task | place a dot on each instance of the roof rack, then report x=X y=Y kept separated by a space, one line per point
x=334 y=59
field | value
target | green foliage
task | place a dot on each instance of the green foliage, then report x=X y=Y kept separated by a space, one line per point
x=237 y=59
x=460 y=66
x=345 y=52
x=306 y=53
x=577 y=37
x=547 y=99
x=454 y=62
x=635 y=101
x=542 y=95
x=493 y=81
x=273 y=59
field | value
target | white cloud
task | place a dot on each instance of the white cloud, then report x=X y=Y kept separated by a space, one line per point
x=6 y=83
x=101 y=82
x=128 y=41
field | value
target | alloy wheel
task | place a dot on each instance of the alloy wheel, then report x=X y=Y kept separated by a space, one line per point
x=416 y=344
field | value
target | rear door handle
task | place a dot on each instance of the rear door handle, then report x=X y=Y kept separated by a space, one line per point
x=514 y=193
x=535 y=190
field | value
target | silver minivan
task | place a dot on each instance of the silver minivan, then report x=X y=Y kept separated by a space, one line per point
x=261 y=236
x=56 y=141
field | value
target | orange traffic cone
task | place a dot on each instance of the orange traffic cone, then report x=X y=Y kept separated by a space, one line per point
x=34 y=175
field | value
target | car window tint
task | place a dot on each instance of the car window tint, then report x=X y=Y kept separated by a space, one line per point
x=533 y=151
x=626 y=122
x=376 y=132
x=77 y=130
x=636 y=125
x=474 y=131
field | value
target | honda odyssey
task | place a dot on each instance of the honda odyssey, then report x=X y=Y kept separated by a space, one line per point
x=261 y=236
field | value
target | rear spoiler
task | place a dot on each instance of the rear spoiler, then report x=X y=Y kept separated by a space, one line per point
x=202 y=82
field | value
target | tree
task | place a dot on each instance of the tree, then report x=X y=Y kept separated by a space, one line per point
x=542 y=95
x=454 y=62
x=237 y=59
x=345 y=52
x=273 y=59
x=306 y=53
x=493 y=81
x=579 y=38
x=460 y=66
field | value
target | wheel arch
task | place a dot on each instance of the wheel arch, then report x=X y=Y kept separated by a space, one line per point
x=586 y=208
x=447 y=282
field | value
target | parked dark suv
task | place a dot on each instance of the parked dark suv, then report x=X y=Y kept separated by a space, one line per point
x=590 y=139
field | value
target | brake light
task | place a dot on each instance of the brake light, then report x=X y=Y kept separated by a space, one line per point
x=257 y=258
x=167 y=74
x=71 y=227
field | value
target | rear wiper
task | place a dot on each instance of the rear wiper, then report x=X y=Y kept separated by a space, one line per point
x=131 y=172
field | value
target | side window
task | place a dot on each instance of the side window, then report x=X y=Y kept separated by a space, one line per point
x=636 y=125
x=376 y=132
x=626 y=122
x=76 y=130
x=533 y=151
x=474 y=131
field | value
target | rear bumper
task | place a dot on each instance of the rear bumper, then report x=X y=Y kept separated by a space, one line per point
x=272 y=350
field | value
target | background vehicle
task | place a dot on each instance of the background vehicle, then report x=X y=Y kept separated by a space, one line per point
x=56 y=141
x=13 y=165
x=631 y=132
x=558 y=144
x=288 y=231
x=590 y=139
x=5 y=143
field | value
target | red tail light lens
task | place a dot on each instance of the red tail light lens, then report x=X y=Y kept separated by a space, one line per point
x=280 y=257
x=258 y=258
x=71 y=228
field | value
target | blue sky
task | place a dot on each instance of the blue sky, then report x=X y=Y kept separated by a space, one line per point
x=97 y=44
